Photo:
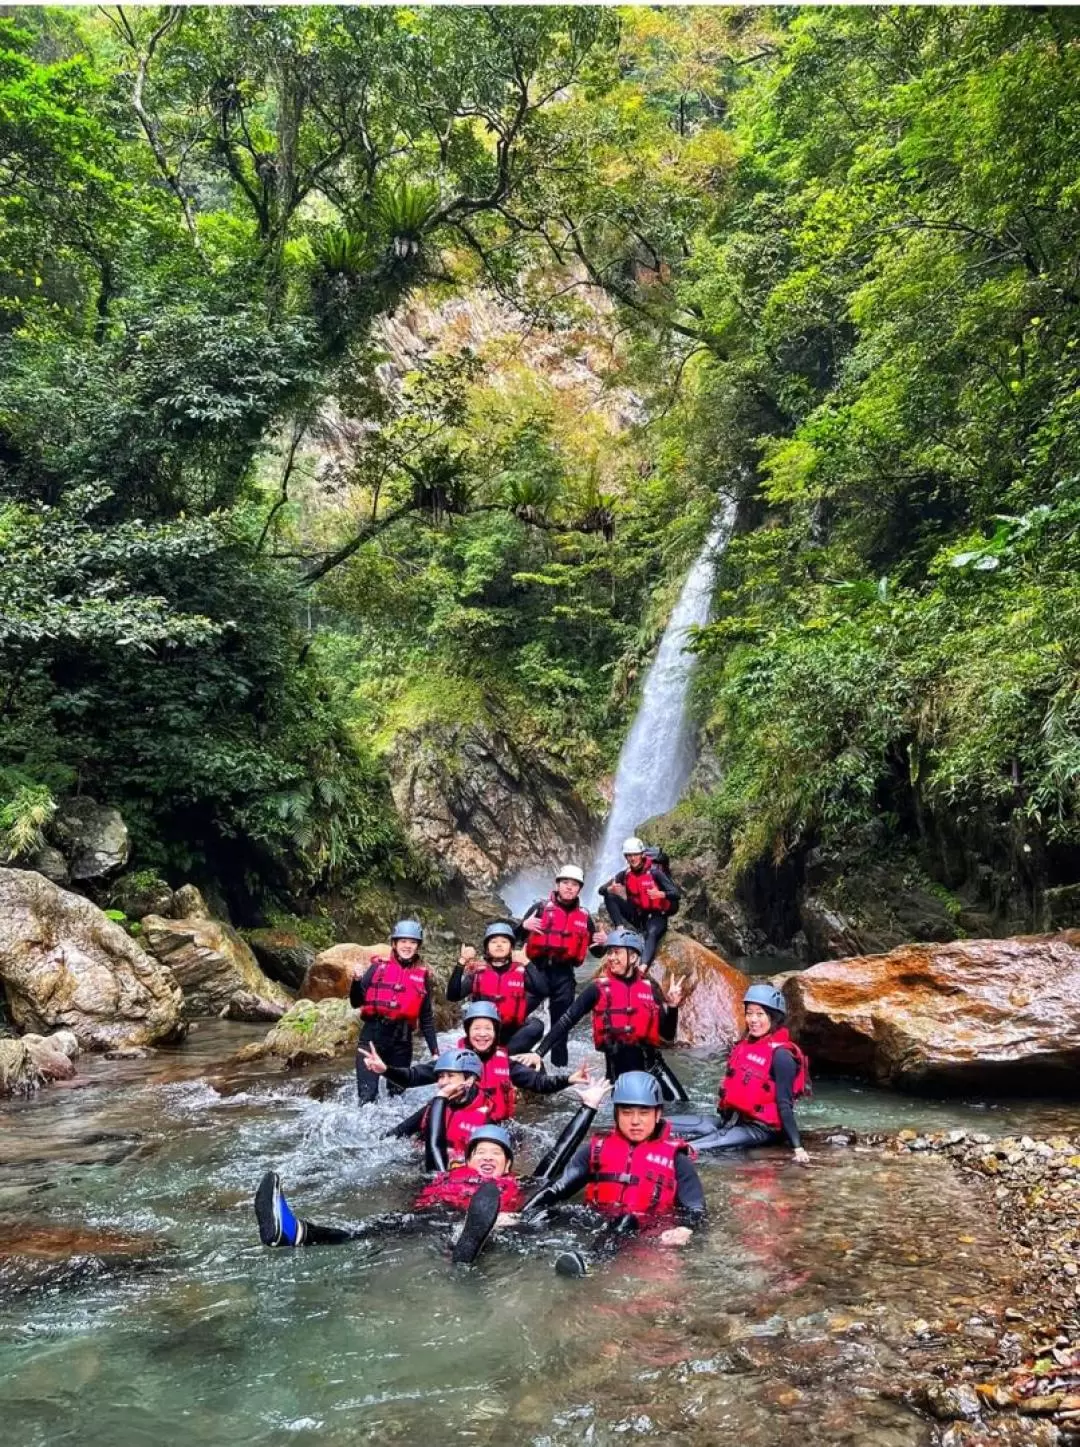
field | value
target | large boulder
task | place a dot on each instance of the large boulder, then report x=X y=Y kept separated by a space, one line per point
x=311 y=1031
x=283 y=956
x=64 y=965
x=994 y=1014
x=18 y=1073
x=331 y=972
x=711 y=1015
x=210 y=961
x=93 y=837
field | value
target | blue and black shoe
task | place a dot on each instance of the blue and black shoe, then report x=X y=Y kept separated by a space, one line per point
x=277 y=1224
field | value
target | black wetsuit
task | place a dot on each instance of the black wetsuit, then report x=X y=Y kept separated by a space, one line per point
x=558 y=977
x=621 y=1058
x=392 y=1038
x=516 y=1038
x=652 y=924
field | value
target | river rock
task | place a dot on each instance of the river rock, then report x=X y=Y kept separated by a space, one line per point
x=35 y=1256
x=65 y=965
x=312 y=1030
x=1002 y=1014
x=330 y=973
x=49 y=862
x=283 y=956
x=210 y=961
x=93 y=836
x=141 y=894
x=480 y=806
x=18 y=1073
x=711 y=1015
x=188 y=903
x=255 y=1008
x=49 y=1055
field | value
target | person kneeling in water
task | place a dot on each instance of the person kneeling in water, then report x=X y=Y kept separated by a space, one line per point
x=631 y=1016
x=766 y=1074
x=639 y=1174
x=501 y=1077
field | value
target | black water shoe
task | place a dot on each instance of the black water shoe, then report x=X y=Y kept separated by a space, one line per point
x=571 y=1263
x=277 y=1224
x=480 y=1221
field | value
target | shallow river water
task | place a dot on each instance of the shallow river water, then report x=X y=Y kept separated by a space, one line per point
x=789 y=1319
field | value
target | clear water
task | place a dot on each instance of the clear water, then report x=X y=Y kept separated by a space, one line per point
x=787 y=1320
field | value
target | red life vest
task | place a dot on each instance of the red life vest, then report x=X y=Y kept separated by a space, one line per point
x=639 y=891
x=456 y=1187
x=505 y=989
x=396 y=992
x=748 y=1086
x=639 y=1179
x=563 y=933
x=461 y=1121
x=626 y=1012
x=496 y=1087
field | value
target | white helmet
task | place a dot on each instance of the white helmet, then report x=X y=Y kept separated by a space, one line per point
x=633 y=845
x=571 y=871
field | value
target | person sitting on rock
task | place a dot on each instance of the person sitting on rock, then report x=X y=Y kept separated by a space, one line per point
x=516 y=989
x=502 y=1077
x=638 y=1176
x=632 y=1017
x=394 y=995
x=766 y=1074
x=558 y=933
x=642 y=897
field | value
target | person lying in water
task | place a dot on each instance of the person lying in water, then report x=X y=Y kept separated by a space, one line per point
x=501 y=1077
x=766 y=1074
x=639 y=1175
x=481 y=1185
x=632 y=1016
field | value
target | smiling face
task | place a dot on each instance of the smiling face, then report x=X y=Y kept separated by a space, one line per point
x=489 y=1160
x=758 y=1023
x=406 y=949
x=620 y=962
x=481 y=1035
x=567 y=890
x=636 y=1122
x=454 y=1077
x=499 y=947
x=635 y=861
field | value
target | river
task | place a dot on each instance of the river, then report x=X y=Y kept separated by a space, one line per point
x=789 y=1318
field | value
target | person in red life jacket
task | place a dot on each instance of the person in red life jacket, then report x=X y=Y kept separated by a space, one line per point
x=632 y=1017
x=394 y=997
x=559 y=933
x=638 y=1175
x=766 y=1074
x=642 y=897
x=482 y=1186
x=445 y=1125
x=501 y=1076
x=516 y=989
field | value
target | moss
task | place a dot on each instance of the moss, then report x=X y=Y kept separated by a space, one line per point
x=423 y=700
x=317 y=930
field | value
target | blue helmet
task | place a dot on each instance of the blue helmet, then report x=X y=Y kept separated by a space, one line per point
x=496 y=1133
x=499 y=929
x=637 y=1087
x=408 y=929
x=480 y=1010
x=467 y=1062
x=767 y=996
x=626 y=939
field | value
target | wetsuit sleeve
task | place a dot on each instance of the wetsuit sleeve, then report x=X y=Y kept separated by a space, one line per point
x=427 y=1018
x=435 y=1153
x=459 y=986
x=534 y=910
x=565 y=1023
x=410 y=1126
x=669 y=1014
x=691 y=1194
x=523 y=1077
x=411 y=1076
x=784 y=1071
x=358 y=988
x=573 y=1179
x=668 y=887
x=535 y=988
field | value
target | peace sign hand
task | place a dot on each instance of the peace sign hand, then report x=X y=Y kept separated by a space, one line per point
x=673 y=991
x=373 y=1061
x=595 y=1094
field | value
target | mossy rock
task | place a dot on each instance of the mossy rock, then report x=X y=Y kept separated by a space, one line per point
x=312 y=1030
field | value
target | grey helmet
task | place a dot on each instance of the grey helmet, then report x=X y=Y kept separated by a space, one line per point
x=500 y=930
x=480 y=1010
x=767 y=996
x=637 y=1087
x=626 y=939
x=496 y=1133
x=466 y=1062
x=408 y=929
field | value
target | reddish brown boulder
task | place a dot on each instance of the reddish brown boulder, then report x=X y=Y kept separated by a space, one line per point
x=711 y=1016
x=330 y=973
x=997 y=1014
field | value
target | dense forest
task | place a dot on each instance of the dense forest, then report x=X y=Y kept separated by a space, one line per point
x=823 y=260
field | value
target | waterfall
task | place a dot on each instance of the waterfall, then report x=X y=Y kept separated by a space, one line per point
x=657 y=757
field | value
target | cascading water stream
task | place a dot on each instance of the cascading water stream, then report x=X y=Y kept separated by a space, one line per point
x=657 y=757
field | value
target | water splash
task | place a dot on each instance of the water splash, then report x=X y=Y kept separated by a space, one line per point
x=657 y=757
